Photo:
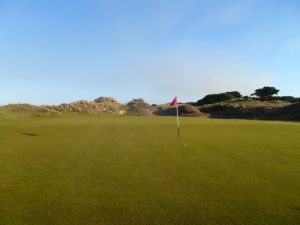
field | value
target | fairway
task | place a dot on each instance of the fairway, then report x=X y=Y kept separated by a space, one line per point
x=126 y=170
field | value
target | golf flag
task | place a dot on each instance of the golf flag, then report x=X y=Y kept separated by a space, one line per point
x=174 y=103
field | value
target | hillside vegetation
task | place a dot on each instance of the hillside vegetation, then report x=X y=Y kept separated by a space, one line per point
x=104 y=105
x=253 y=109
x=236 y=108
x=232 y=104
x=15 y=110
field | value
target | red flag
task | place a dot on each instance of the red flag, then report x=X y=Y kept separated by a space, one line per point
x=174 y=102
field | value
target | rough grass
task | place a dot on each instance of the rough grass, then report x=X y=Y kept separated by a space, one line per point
x=133 y=170
x=254 y=109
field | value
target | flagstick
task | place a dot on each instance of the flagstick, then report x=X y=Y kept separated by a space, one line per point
x=177 y=120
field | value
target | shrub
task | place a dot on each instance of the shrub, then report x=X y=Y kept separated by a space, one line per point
x=235 y=94
x=215 y=98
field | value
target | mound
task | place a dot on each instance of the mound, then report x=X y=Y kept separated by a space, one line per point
x=253 y=109
x=183 y=110
x=109 y=104
x=99 y=106
x=82 y=106
x=237 y=109
x=139 y=107
x=291 y=112
x=27 y=110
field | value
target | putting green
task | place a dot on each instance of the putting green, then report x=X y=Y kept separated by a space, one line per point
x=134 y=170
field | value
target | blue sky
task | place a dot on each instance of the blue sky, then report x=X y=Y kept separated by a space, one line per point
x=55 y=51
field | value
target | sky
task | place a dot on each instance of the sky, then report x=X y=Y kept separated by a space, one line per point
x=56 y=51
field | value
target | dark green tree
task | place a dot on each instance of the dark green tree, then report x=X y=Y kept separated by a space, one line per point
x=265 y=93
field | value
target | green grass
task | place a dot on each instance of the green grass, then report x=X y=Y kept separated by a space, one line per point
x=133 y=170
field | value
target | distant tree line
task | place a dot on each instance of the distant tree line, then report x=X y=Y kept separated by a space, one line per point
x=263 y=94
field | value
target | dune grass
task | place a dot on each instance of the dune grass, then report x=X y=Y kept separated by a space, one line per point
x=133 y=170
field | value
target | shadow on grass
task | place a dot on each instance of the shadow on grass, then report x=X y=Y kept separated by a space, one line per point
x=29 y=134
x=296 y=208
